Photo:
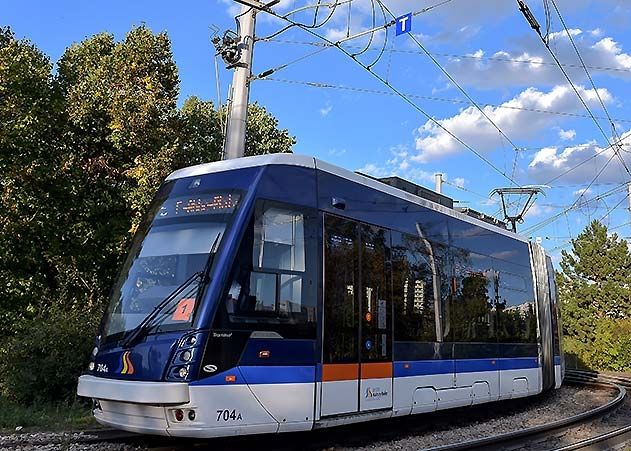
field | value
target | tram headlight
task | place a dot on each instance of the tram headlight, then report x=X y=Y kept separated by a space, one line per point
x=91 y=366
x=184 y=362
x=186 y=356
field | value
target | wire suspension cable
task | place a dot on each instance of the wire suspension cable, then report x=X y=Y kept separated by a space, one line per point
x=620 y=142
x=398 y=93
x=535 y=62
x=453 y=80
x=551 y=219
x=315 y=84
x=591 y=80
x=530 y=18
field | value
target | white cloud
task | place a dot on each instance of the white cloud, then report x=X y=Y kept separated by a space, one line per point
x=337 y=152
x=550 y=162
x=233 y=8
x=506 y=68
x=474 y=129
x=567 y=135
x=326 y=110
x=401 y=164
x=537 y=210
x=581 y=192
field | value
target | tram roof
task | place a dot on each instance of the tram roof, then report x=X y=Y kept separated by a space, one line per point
x=291 y=159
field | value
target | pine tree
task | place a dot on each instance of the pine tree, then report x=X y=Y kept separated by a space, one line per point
x=594 y=282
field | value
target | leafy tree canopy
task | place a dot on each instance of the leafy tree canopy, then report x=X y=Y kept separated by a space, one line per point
x=82 y=151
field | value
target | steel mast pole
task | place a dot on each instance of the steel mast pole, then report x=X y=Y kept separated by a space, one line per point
x=234 y=145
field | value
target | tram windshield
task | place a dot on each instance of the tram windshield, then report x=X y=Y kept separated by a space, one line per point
x=171 y=246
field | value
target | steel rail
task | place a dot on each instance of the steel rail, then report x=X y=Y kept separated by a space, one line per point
x=583 y=378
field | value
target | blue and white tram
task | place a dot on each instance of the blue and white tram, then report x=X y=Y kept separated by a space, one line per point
x=280 y=293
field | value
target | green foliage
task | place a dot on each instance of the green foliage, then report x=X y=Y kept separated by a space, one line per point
x=596 y=299
x=47 y=416
x=83 y=151
x=42 y=360
x=263 y=136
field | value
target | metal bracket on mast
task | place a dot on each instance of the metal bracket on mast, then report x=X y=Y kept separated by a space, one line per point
x=258 y=5
x=531 y=191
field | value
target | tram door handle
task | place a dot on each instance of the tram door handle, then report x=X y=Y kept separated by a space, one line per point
x=264 y=354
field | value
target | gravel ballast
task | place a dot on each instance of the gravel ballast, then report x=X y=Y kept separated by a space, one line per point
x=563 y=403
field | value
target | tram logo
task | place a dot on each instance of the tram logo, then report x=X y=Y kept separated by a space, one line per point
x=210 y=368
x=374 y=393
x=126 y=365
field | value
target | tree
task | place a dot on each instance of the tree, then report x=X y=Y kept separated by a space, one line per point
x=199 y=139
x=83 y=150
x=29 y=130
x=594 y=281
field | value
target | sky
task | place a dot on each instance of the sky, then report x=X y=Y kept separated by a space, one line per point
x=470 y=92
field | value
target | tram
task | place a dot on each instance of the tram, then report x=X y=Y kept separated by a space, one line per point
x=281 y=293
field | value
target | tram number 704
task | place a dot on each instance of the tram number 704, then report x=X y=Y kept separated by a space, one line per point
x=227 y=415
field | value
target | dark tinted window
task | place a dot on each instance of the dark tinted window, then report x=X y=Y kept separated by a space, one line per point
x=376 y=308
x=517 y=320
x=472 y=313
x=414 y=280
x=340 y=337
x=273 y=280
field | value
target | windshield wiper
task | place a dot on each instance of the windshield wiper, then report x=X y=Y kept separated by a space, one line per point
x=202 y=276
x=140 y=328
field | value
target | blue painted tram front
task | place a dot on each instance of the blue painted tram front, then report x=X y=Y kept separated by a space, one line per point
x=280 y=293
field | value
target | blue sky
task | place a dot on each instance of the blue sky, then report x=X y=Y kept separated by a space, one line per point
x=356 y=122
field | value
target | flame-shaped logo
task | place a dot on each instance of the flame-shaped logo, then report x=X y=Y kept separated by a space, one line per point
x=128 y=368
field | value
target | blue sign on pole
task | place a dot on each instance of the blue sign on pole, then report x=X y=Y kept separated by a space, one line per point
x=404 y=24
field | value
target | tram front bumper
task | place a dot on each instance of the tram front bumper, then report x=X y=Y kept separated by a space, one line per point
x=138 y=392
x=135 y=406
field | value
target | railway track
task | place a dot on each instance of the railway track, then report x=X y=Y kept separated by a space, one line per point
x=554 y=436
x=559 y=435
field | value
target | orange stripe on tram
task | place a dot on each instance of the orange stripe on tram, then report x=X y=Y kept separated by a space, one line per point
x=376 y=370
x=340 y=372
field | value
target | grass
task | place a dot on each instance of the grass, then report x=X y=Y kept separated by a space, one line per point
x=48 y=417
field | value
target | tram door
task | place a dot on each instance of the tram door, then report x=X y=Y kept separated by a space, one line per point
x=357 y=335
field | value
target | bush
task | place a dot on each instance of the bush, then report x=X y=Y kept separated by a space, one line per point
x=609 y=351
x=42 y=361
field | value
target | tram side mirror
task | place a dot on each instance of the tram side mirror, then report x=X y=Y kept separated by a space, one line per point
x=339 y=203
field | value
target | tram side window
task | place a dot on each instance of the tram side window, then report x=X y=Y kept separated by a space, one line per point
x=273 y=281
x=413 y=290
x=279 y=240
x=473 y=297
x=340 y=339
x=515 y=306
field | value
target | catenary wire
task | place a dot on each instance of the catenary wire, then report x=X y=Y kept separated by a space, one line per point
x=390 y=93
x=553 y=218
x=575 y=89
x=315 y=84
x=401 y=95
x=502 y=59
x=453 y=80
x=591 y=80
x=330 y=44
